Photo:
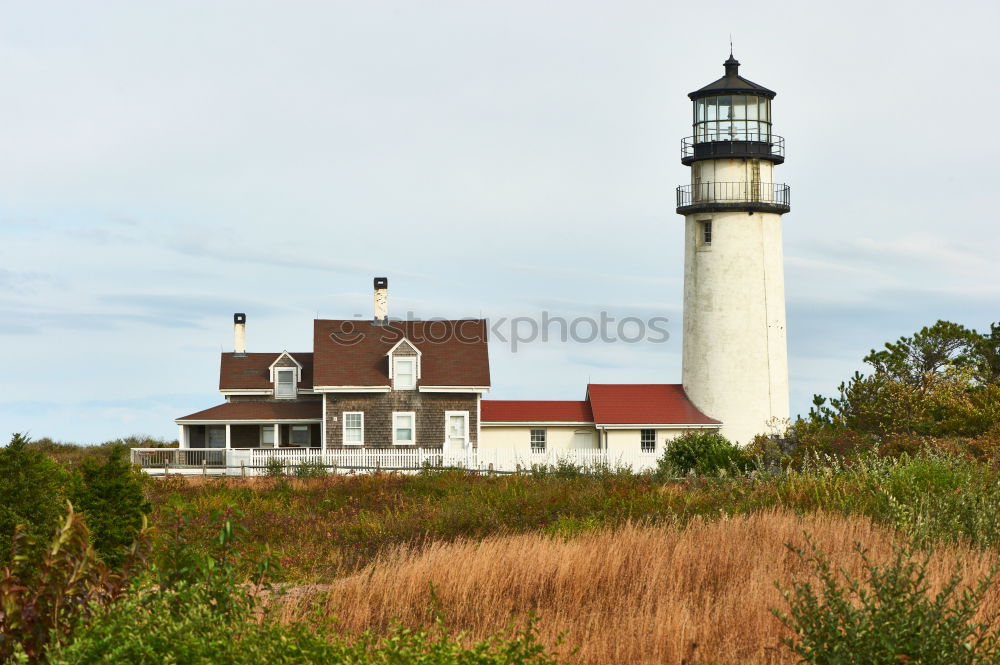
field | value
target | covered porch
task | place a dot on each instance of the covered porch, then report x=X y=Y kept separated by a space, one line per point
x=254 y=424
x=235 y=433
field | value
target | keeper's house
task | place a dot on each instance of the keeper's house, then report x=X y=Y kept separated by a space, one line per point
x=371 y=384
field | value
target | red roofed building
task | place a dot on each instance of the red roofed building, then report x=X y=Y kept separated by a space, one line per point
x=631 y=419
x=419 y=384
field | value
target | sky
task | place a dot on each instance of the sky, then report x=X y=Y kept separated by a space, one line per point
x=163 y=165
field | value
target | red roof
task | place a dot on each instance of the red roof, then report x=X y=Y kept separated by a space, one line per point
x=607 y=404
x=353 y=352
x=270 y=410
x=251 y=371
x=643 y=404
x=537 y=411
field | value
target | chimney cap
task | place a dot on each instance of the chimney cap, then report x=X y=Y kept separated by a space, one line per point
x=381 y=282
x=239 y=317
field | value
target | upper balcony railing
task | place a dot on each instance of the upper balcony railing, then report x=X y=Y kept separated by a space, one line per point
x=733 y=144
x=722 y=196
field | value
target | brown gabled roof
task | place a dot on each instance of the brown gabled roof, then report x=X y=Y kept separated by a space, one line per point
x=270 y=410
x=353 y=352
x=535 y=411
x=250 y=371
x=644 y=404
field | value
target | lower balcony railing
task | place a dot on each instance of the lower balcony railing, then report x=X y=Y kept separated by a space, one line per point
x=751 y=196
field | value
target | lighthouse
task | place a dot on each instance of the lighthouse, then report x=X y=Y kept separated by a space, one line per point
x=734 y=358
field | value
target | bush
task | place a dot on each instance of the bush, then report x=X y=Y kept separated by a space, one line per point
x=310 y=470
x=705 y=453
x=110 y=496
x=274 y=467
x=887 y=618
x=182 y=627
x=33 y=491
x=47 y=591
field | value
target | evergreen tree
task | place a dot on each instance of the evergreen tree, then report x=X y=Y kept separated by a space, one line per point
x=111 y=499
x=33 y=492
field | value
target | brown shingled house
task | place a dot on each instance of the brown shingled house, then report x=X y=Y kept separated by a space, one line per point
x=365 y=384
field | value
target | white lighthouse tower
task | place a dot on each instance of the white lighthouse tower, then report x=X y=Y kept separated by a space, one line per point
x=735 y=359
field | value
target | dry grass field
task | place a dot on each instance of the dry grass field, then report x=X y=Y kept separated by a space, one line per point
x=701 y=593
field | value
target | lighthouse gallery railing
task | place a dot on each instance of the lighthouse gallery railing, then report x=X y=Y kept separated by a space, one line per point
x=733 y=192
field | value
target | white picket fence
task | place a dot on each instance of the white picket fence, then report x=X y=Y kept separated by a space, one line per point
x=257 y=461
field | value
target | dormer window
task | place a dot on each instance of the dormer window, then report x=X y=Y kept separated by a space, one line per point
x=284 y=382
x=286 y=372
x=404 y=372
x=404 y=365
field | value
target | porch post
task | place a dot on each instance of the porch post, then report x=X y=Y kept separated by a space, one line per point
x=229 y=438
x=277 y=435
x=322 y=428
x=182 y=438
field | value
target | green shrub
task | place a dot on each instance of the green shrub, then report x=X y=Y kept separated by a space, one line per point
x=274 y=467
x=181 y=627
x=46 y=592
x=705 y=453
x=310 y=470
x=33 y=492
x=110 y=496
x=888 y=617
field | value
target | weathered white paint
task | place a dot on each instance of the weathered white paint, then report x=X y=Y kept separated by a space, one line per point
x=734 y=360
x=628 y=441
x=381 y=304
x=518 y=438
x=240 y=337
x=560 y=437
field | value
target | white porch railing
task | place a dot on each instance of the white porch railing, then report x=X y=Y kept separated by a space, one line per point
x=178 y=458
x=257 y=461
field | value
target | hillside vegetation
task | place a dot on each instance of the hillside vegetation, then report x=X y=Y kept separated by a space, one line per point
x=866 y=534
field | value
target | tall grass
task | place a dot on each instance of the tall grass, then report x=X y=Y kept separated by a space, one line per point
x=322 y=528
x=636 y=594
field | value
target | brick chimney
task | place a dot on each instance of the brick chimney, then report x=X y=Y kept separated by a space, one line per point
x=240 y=334
x=381 y=301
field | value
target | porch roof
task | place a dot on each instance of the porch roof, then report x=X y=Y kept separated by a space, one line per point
x=271 y=411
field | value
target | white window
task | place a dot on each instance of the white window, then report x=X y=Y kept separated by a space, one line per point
x=647 y=440
x=706 y=233
x=456 y=428
x=284 y=380
x=404 y=373
x=267 y=436
x=538 y=441
x=354 y=428
x=216 y=436
x=403 y=426
x=300 y=435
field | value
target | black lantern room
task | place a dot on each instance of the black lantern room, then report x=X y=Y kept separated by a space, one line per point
x=732 y=118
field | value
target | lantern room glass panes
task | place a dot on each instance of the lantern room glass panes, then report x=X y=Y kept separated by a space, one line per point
x=732 y=118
